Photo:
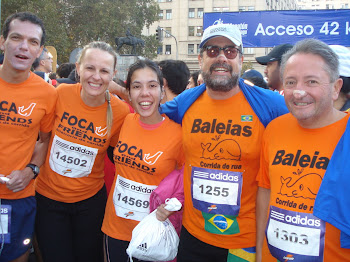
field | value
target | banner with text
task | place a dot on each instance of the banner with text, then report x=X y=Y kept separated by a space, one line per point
x=271 y=28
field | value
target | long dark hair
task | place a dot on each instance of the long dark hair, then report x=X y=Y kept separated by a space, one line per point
x=140 y=64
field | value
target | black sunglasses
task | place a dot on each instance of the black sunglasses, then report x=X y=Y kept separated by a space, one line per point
x=229 y=51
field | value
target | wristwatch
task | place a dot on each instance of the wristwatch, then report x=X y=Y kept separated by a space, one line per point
x=35 y=169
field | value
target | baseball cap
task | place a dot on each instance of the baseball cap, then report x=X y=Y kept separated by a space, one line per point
x=251 y=73
x=275 y=54
x=227 y=30
x=254 y=78
x=344 y=59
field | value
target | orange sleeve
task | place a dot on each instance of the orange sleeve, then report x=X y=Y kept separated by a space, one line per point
x=47 y=121
x=263 y=174
x=120 y=111
x=181 y=158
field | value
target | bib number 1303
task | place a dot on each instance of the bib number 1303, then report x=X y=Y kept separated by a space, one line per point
x=291 y=237
x=296 y=234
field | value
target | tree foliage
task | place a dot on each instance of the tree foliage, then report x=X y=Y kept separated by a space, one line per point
x=246 y=66
x=74 y=23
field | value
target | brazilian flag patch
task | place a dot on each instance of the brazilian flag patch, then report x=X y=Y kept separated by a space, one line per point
x=246 y=118
x=220 y=224
x=241 y=255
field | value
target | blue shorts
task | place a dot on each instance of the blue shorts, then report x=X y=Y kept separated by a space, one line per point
x=17 y=227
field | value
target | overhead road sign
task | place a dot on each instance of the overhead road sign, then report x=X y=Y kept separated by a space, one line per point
x=271 y=28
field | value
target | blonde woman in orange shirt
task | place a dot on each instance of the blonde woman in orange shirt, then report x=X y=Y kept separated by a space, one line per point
x=71 y=194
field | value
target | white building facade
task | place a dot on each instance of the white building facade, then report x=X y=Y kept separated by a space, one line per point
x=323 y=4
x=183 y=19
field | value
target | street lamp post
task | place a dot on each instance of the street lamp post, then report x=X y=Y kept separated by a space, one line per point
x=177 y=49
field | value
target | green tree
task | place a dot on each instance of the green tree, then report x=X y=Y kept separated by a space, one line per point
x=74 y=23
x=246 y=66
x=56 y=34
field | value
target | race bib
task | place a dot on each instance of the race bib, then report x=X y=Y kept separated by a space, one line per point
x=5 y=220
x=216 y=191
x=131 y=199
x=295 y=236
x=70 y=159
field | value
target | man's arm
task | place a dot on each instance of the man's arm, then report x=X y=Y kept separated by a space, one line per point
x=118 y=90
x=176 y=108
x=262 y=205
x=19 y=179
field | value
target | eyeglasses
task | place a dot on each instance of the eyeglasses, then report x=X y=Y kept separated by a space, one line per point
x=229 y=51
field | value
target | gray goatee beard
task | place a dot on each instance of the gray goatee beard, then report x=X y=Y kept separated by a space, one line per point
x=220 y=83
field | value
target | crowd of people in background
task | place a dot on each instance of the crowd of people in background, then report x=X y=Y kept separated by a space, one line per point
x=257 y=161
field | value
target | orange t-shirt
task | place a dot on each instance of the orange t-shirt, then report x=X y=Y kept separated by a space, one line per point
x=293 y=163
x=143 y=157
x=73 y=170
x=222 y=149
x=25 y=109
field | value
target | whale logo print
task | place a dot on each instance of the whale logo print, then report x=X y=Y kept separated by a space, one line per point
x=227 y=149
x=302 y=186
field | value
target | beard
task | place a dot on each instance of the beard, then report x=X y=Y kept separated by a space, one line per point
x=221 y=83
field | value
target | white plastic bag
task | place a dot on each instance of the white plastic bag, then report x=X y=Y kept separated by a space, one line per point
x=154 y=240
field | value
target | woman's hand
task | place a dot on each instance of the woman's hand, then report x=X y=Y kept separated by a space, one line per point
x=162 y=214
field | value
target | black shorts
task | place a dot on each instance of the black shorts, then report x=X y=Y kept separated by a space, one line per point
x=71 y=232
x=116 y=250
x=192 y=249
